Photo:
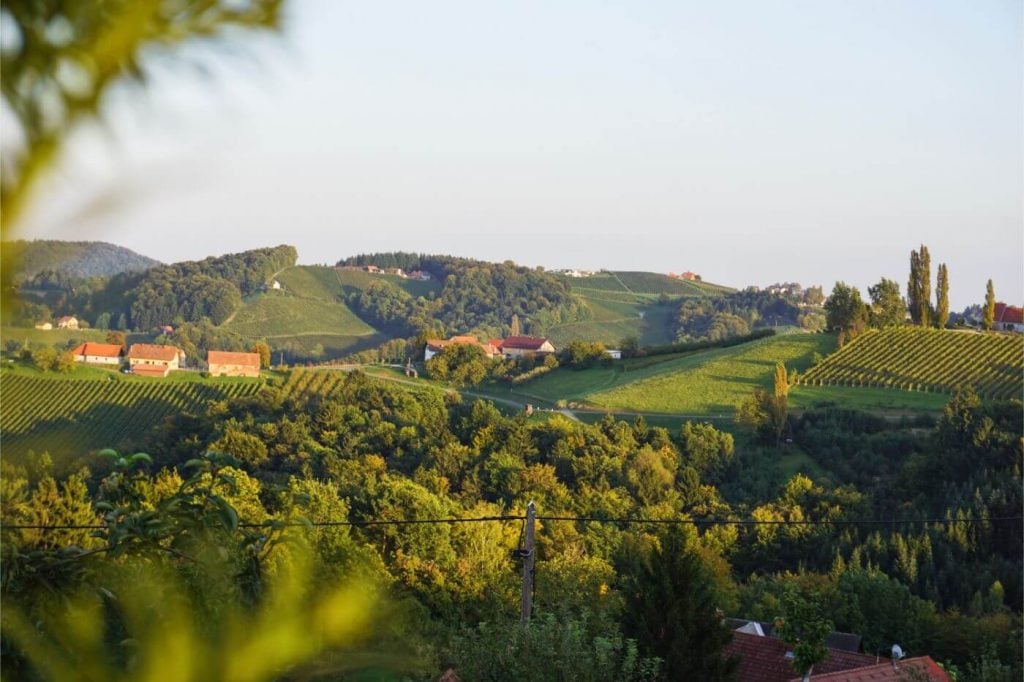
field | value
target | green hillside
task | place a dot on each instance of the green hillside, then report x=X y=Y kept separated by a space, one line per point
x=705 y=382
x=330 y=283
x=929 y=360
x=70 y=416
x=75 y=259
x=642 y=284
x=616 y=305
x=304 y=328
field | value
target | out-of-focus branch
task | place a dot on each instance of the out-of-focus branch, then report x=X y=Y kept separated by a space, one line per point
x=60 y=57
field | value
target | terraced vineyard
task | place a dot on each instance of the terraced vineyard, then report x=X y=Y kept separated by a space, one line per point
x=929 y=360
x=71 y=417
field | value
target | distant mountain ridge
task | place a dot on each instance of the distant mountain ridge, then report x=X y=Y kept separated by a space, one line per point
x=74 y=259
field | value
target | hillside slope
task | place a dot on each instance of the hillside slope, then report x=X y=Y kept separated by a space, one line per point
x=706 y=382
x=74 y=259
x=930 y=360
x=307 y=319
x=616 y=305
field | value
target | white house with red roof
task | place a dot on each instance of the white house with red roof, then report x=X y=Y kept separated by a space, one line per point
x=1009 y=318
x=98 y=353
x=518 y=346
x=147 y=359
x=67 y=322
x=223 y=363
x=435 y=346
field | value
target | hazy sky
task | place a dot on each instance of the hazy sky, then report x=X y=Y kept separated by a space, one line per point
x=751 y=142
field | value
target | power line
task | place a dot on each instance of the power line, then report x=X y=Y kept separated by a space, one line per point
x=576 y=519
x=778 y=522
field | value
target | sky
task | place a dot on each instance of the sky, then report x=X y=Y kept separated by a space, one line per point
x=750 y=142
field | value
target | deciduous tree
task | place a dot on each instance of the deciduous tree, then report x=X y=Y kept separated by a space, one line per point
x=888 y=309
x=845 y=312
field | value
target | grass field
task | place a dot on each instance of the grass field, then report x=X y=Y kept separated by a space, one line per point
x=642 y=285
x=928 y=360
x=275 y=314
x=701 y=383
x=885 y=399
x=61 y=337
x=92 y=408
x=609 y=321
x=357 y=280
x=303 y=327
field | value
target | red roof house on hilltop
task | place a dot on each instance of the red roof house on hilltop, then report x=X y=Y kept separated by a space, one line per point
x=1009 y=318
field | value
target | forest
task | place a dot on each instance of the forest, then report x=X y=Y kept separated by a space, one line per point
x=908 y=533
x=738 y=313
x=189 y=291
x=477 y=297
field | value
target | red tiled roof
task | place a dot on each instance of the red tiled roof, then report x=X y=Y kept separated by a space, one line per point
x=438 y=344
x=102 y=350
x=763 y=659
x=923 y=666
x=524 y=342
x=149 y=351
x=1009 y=314
x=150 y=370
x=65 y=318
x=497 y=343
x=223 y=357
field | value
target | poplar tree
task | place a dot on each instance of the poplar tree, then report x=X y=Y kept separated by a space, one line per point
x=919 y=287
x=988 y=315
x=515 y=328
x=942 y=297
x=780 y=402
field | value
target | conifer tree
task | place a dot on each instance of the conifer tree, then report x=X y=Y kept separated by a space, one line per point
x=988 y=316
x=515 y=328
x=942 y=297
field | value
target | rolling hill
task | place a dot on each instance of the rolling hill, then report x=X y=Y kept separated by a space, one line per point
x=616 y=305
x=75 y=259
x=307 y=319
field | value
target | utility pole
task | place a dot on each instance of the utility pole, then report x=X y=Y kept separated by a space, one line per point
x=528 y=559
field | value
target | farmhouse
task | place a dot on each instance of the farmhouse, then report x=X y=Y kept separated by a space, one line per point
x=45 y=326
x=421 y=275
x=226 y=364
x=435 y=346
x=1009 y=318
x=67 y=322
x=518 y=346
x=98 y=353
x=688 y=276
x=150 y=360
x=275 y=285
